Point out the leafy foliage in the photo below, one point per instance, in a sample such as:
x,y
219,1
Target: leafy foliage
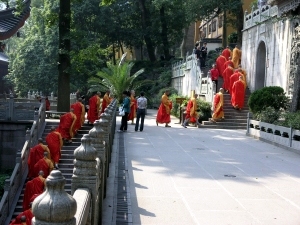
x,y
268,115
290,119
272,96
204,110
3,176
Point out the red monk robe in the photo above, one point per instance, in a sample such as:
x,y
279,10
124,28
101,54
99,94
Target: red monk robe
x,y
36,153
94,107
226,53
45,165
54,142
105,102
238,94
233,78
228,63
163,114
226,77
218,106
66,125
47,104
133,107
29,215
220,64
79,111
33,187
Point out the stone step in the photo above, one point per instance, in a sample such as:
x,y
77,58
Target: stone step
x,y
232,127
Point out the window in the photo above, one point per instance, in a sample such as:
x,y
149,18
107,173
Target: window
x,y
220,21
204,32
214,26
209,29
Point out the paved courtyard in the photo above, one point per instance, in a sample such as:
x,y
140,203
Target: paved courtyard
x,y
205,176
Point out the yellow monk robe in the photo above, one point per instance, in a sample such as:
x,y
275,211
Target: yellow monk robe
x,y
236,57
105,102
218,106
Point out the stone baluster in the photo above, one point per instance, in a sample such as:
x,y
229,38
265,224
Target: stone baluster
x,y
28,95
112,111
109,112
97,136
105,123
55,205
85,174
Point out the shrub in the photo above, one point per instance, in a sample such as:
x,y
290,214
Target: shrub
x,y
3,176
232,38
290,119
204,110
267,97
268,115
175,106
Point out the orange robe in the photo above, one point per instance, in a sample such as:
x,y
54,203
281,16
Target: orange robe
x,y
54,142
228,63
29,215
218,106
220,64
226,77
94,107
47,104
35,186
133,107
105,102
45,165
66,125
191,110
236,57
238,94
164,111
233,78
226,53
79,111
36,153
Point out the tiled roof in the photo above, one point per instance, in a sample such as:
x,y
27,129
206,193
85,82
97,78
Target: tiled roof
x,y
9,23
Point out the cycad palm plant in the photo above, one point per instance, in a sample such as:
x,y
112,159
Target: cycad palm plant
x,y
117,78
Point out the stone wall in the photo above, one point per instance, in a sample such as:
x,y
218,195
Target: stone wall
x,y
12,138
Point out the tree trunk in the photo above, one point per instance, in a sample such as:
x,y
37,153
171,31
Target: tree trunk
x,y
239,25
114,55
146,24
183,43
63,101
224,34
164,33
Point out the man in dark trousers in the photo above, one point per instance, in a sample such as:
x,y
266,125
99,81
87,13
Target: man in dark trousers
x,y
203,50
141,111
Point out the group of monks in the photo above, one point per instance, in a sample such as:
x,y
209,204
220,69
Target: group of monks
x,y
234,81
44,158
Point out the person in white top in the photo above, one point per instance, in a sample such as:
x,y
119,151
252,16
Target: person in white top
x,y
141,111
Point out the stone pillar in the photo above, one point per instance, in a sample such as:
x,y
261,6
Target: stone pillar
x,y
85,174
55,205
105,125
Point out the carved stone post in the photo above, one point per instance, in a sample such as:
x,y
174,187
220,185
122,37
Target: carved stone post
x,y
85,174
55,205
98,143
112,108
105,125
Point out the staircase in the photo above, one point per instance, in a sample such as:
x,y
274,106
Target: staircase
x,y
234,119
66,161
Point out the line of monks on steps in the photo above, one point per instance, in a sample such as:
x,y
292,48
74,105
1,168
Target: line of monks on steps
x,y
44,158
234,81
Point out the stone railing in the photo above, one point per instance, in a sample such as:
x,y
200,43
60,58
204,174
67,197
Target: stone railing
x,y
259,15
13,186
180,66
283,136
88,181
208,88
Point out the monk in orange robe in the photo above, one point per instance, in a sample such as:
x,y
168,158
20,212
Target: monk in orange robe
x,y
35,186
228,63
55,142
94,108
44,165
238,94
218,106
191,111
66,124
244,73
133,107
47,104
79,111
233,78
105,101
236,57
220,64
164,111
36,153
226,53
20,218
226,77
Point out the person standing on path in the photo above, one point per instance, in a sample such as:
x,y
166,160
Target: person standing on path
x,y
203,50
126,108
214,74
141,111
164,111
218,106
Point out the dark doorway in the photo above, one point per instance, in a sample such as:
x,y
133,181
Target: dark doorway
x,y
260,71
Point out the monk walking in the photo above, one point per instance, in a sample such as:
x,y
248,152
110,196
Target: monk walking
x,y
27,214
226,77
36,153
44,165
218,106
220,64
226,53
238,94
33,187
66,124
233,78
133,106
164,111
105,101
55,142
79,111
191,111
236,57
94,108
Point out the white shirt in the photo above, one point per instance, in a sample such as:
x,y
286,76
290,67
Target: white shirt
x,y
141,103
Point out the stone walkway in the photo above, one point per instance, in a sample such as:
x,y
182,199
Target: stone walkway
x,y
205,176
